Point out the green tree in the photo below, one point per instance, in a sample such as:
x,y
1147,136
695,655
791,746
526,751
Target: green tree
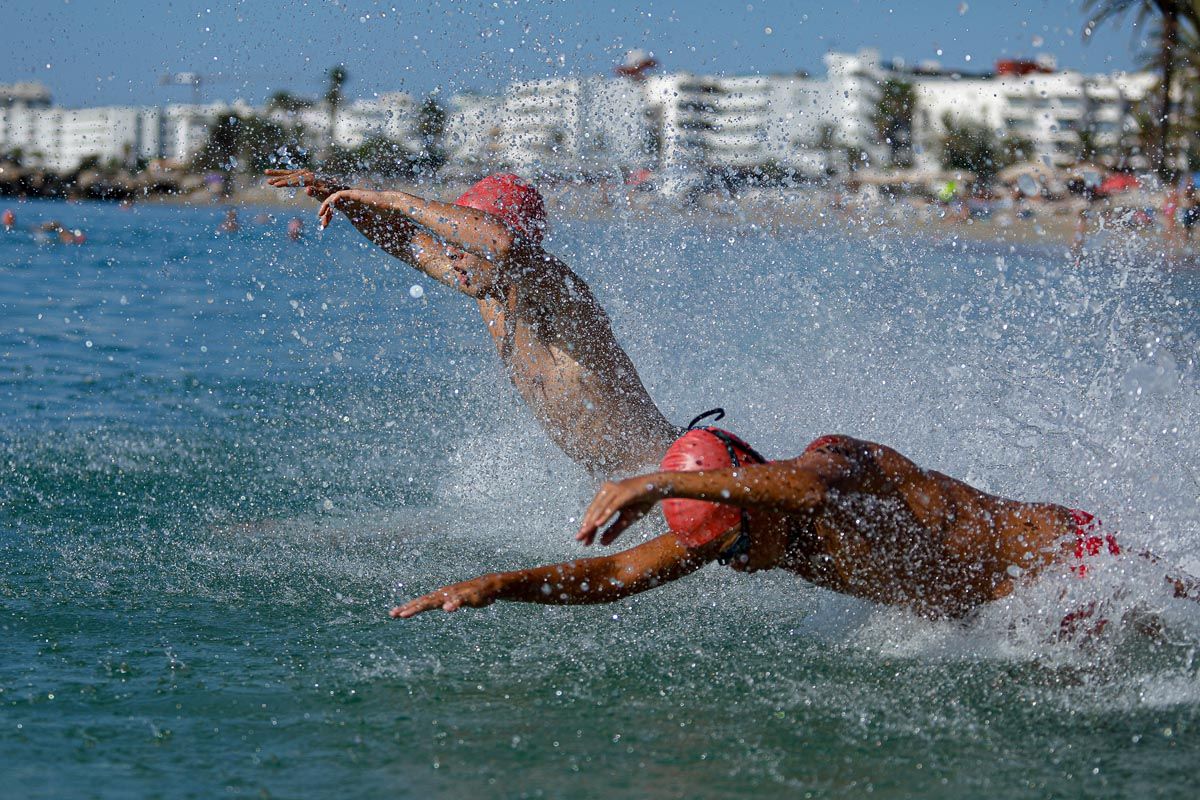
x,y
431,127
220,150
1015,148
251,143
260,141
1171,19
893,120
334,95
88,163
1086,147
973,146
286,101
826,143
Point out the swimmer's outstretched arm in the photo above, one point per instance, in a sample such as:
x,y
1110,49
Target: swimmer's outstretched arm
x,y
477,232
797,486
392,232
587,580
396,234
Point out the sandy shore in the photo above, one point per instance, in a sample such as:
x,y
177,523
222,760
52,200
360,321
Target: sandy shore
x,y
1056,224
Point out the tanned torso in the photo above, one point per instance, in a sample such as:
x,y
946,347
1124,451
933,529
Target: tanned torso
x,y
891,532
558,347
554,338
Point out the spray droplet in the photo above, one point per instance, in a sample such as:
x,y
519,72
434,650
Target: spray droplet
x,y
416,292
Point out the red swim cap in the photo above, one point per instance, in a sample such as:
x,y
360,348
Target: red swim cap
x,y
697,522
515,202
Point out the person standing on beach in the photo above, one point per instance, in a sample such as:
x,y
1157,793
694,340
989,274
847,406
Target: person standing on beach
x,y
552,334
1190,210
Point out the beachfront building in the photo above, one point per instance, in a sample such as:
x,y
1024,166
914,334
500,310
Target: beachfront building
x,y
472,131
540,125
391,116
62,139
185,127
678,122
113,135
829,121
790,122
562,126
1063,115
686,123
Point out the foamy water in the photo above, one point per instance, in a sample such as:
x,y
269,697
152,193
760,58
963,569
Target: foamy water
x,y
207,510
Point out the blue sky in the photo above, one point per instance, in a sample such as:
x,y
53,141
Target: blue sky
x,y
101,52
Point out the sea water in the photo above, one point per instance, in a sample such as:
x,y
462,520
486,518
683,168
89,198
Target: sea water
x,y
224,457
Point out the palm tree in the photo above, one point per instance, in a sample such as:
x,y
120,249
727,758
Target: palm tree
x,y
431,125
893,120
1172,18
333,97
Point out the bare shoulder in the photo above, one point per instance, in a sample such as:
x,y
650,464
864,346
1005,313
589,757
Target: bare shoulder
x,y
847,458
540,271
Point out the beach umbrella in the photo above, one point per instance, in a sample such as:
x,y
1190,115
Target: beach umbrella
x,y
1119,182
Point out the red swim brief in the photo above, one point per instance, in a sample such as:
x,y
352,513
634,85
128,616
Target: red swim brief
x,y
1090,540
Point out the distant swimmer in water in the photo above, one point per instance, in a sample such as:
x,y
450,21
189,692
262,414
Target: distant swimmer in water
x,y
53,230
9,219
848,515
295,229
230,224
553,336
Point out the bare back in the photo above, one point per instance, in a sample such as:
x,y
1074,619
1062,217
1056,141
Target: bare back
x,y
559,350
894,533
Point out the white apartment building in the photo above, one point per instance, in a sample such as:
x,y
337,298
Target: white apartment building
x,y
541,125
1047,109
116,134
677,121
598,125
392,116
561,126
185,127
61,138
472,134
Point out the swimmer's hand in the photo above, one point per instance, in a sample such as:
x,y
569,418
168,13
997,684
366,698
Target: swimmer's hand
x,y
351,202
306,179
629,500
475,593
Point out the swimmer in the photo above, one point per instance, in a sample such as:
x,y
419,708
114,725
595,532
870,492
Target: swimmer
x,y
55,229
9,219
849,515
295,229
230,224
551,333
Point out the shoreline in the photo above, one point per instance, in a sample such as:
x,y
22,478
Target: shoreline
x,y
778,211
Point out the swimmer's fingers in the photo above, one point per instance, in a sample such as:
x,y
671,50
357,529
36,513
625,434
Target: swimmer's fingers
x,y
285,178
624,519
418,606
325,212
475,593
598,512
312,184
628,501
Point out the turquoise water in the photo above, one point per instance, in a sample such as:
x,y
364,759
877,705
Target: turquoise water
x,y
222,459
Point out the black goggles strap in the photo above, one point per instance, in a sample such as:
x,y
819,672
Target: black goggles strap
x,y
741,545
